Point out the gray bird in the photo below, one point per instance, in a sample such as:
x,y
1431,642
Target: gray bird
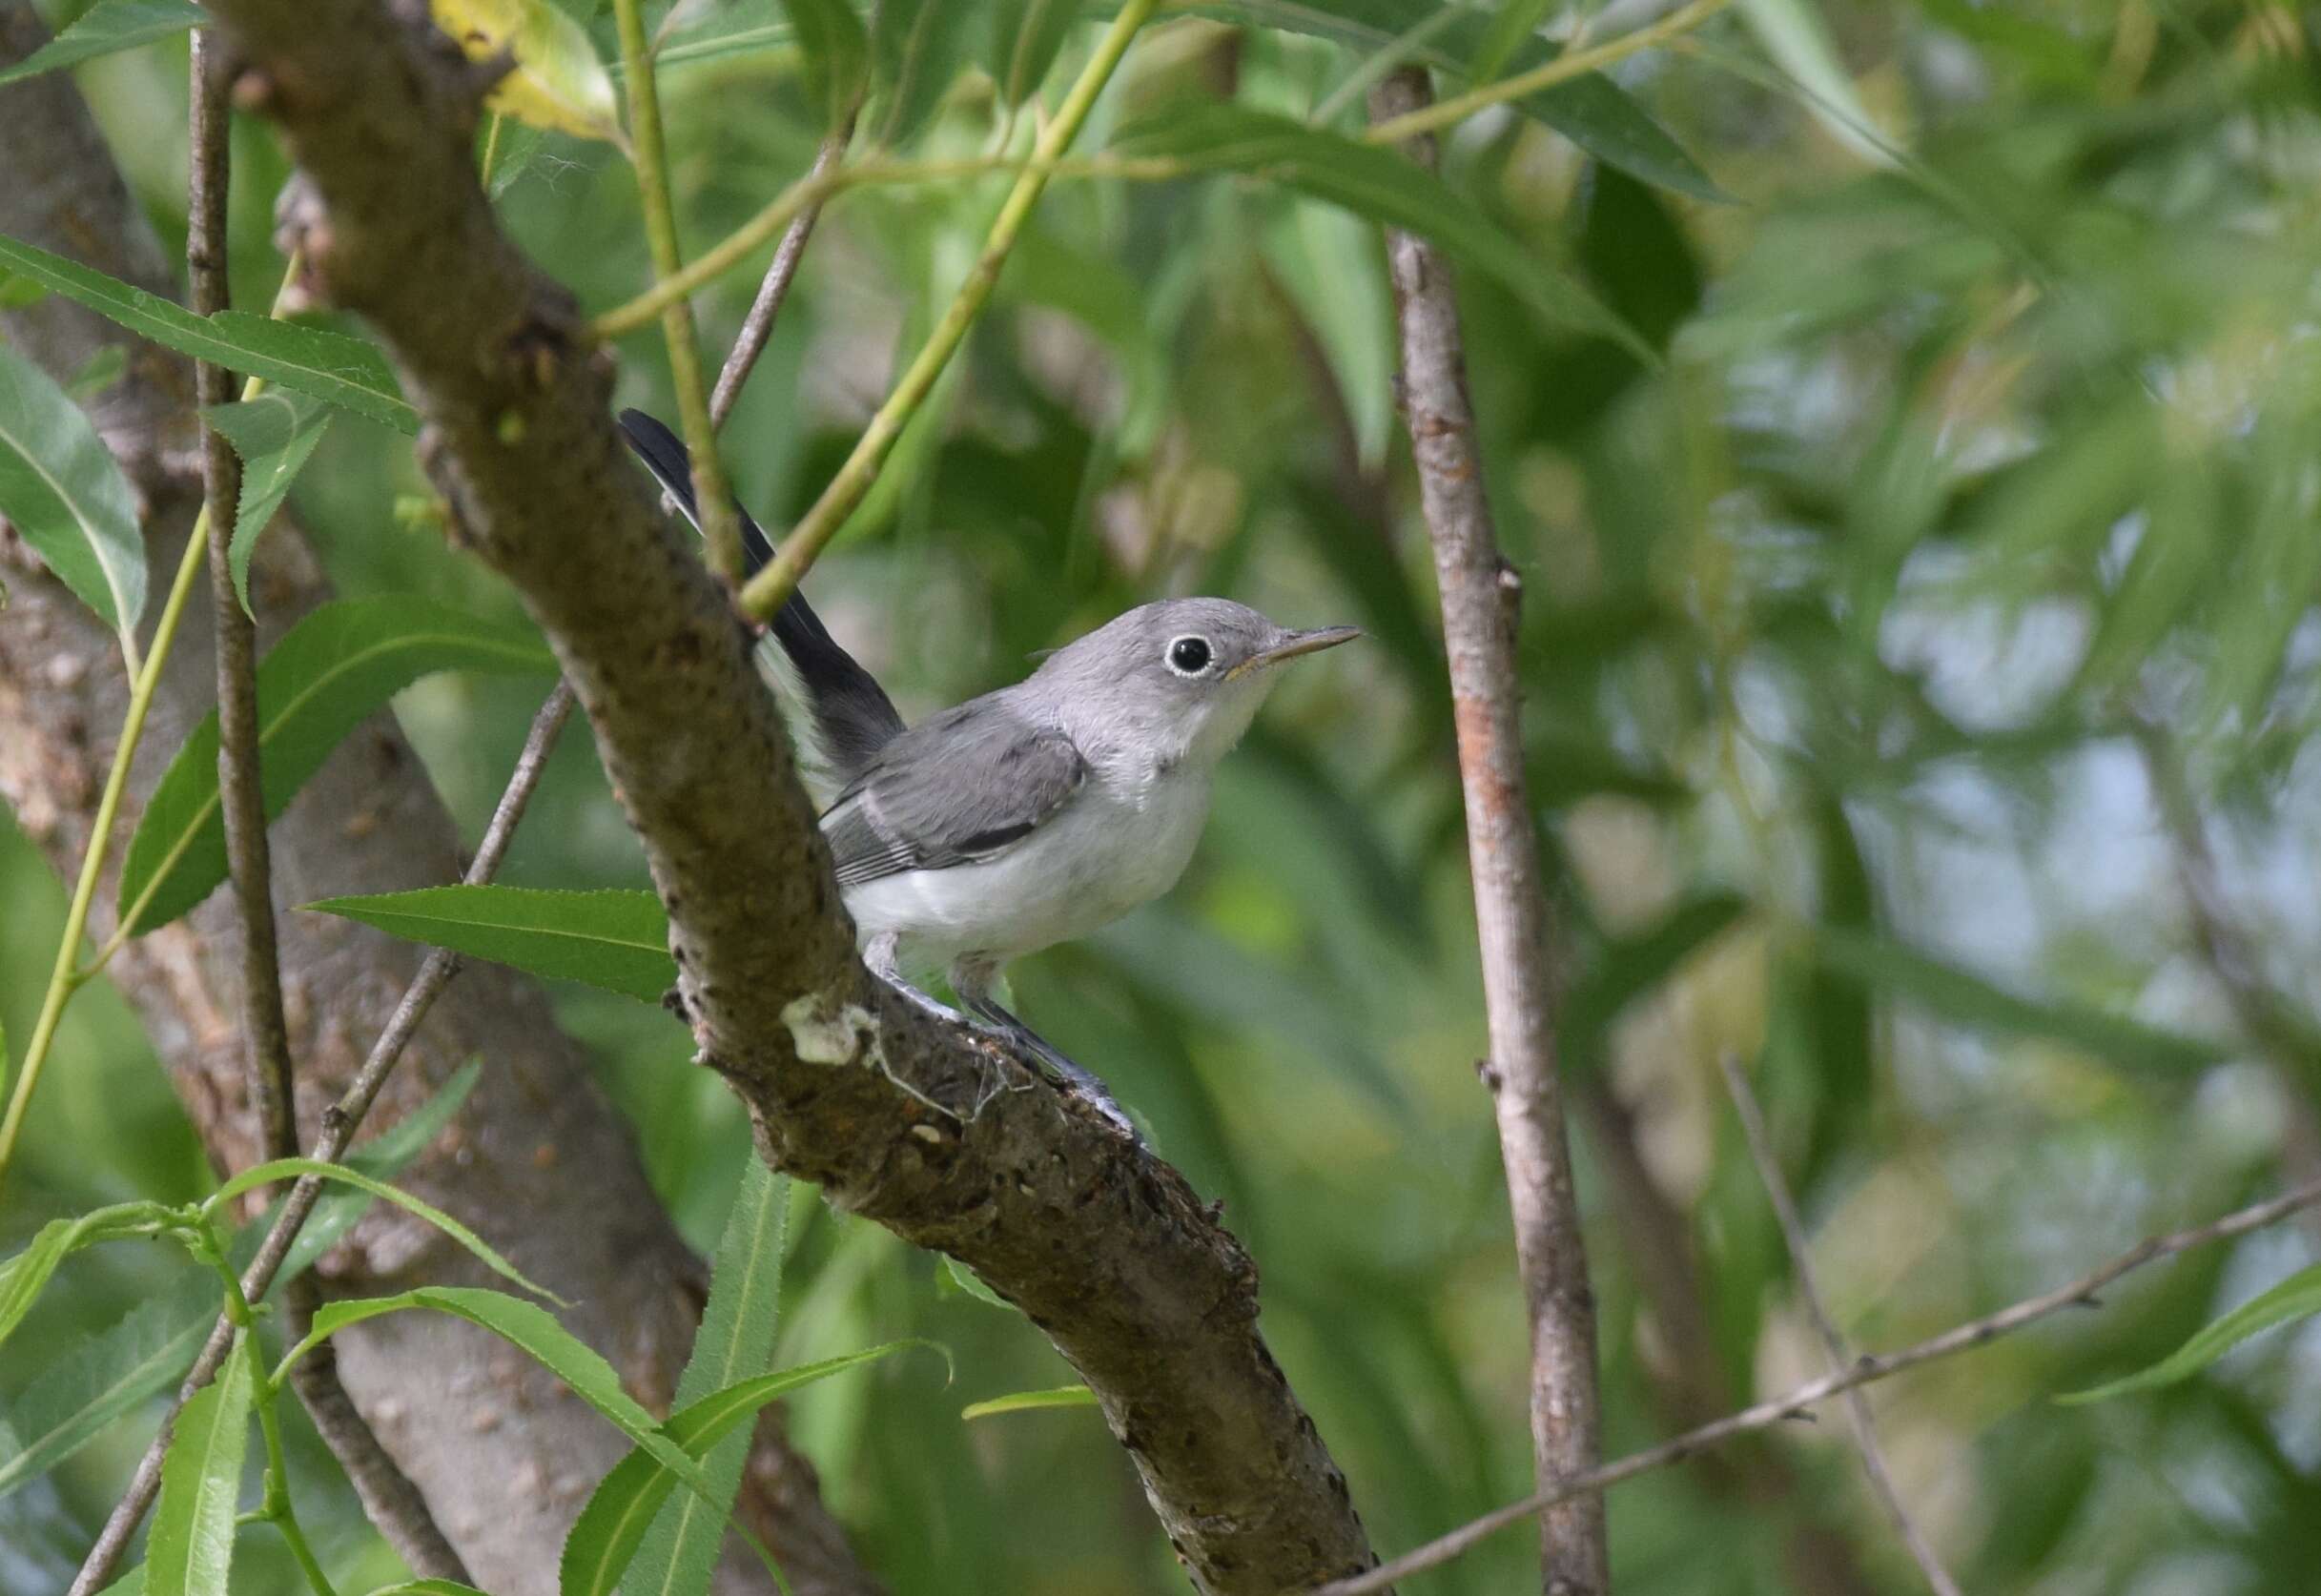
x,y
1027,816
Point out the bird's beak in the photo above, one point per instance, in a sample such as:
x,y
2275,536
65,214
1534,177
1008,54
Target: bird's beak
x,y
1291,644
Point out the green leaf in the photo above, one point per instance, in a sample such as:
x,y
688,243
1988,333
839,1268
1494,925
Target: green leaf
x,y
106,1375
1516,21
347,372
65,494
1025,1401
1026,37
191,1550
1796,37
2298,1297
1339,282
616,940
735,1342
605,1536
1593,112
917,53
274,434
1952,994
291,1169
329,673
428,1588
1377,183
557,83
99,372
971,1284
833,54
23,1277
105,28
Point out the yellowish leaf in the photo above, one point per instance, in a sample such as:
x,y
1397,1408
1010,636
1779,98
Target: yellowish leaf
x,y
557,83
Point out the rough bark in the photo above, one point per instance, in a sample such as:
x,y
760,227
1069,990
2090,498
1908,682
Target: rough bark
x,y
539,1161
1103,1248
1514,922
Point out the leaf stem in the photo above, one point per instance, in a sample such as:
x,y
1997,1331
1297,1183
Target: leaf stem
x,y
720,529
65,977
1571,64
777,581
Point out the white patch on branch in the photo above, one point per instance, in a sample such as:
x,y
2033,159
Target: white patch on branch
x,y
817,1036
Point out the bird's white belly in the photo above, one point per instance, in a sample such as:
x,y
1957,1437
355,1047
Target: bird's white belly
x,y
1113,847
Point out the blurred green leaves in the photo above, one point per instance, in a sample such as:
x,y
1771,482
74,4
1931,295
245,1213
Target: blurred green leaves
x,y
2296,1297
104,27
62,490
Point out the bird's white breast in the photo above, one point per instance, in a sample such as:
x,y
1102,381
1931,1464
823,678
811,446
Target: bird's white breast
x,y
1123,840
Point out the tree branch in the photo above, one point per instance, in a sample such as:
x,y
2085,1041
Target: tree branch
x,y
1521,948
783,270
1863,1371
392,1501
1108,1251
1856,1406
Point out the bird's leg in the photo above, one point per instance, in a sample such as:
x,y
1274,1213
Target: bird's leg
x,y
971,979
879,958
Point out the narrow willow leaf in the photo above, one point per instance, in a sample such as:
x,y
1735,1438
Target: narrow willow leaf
x,y
274,433
2298,1297
1381,184
24,1277
735,1343
328,674
834,52
605,1536
65,492
191,1550
1339,282
1956,994
557,83
428,1588
1026,37
291,1169
347,372
917,52
616,940
968,1284
131,1584
105,28
1025,1401
106,1375
531,1329
1796,37
1593,112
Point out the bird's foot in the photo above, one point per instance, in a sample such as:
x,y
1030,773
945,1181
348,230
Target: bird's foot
x,y
1057,1066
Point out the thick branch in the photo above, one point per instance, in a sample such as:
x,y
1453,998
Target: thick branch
x,y
537,1160
1521,947
1109,1252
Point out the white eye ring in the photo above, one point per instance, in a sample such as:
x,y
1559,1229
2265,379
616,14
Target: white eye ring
x,y
1189,655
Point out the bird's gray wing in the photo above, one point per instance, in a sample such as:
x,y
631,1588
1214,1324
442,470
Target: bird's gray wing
x,y
957,789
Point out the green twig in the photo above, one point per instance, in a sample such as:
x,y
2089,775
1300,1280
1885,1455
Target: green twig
x,y
720,530
65,977
777,581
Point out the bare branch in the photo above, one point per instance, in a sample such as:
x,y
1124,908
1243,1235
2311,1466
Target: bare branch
x,y
388,1495
1521,947
1105,1249
339,1122
758,325
1856,1406
1863,1371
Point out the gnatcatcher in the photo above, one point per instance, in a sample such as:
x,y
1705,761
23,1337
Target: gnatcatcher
x,y
1026,817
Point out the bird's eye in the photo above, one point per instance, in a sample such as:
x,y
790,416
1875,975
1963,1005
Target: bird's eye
x,y
1189,656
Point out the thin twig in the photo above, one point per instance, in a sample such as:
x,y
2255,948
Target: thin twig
x,y
1521,946
720,529
758,325
339,1124
1858,1405
780,579
1870,1367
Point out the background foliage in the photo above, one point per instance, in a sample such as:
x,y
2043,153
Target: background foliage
x,y
1972,490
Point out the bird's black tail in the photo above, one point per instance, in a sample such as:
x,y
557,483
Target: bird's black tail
x,y
853,717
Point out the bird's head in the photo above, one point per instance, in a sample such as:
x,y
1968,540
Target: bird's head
x,y
1182,676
